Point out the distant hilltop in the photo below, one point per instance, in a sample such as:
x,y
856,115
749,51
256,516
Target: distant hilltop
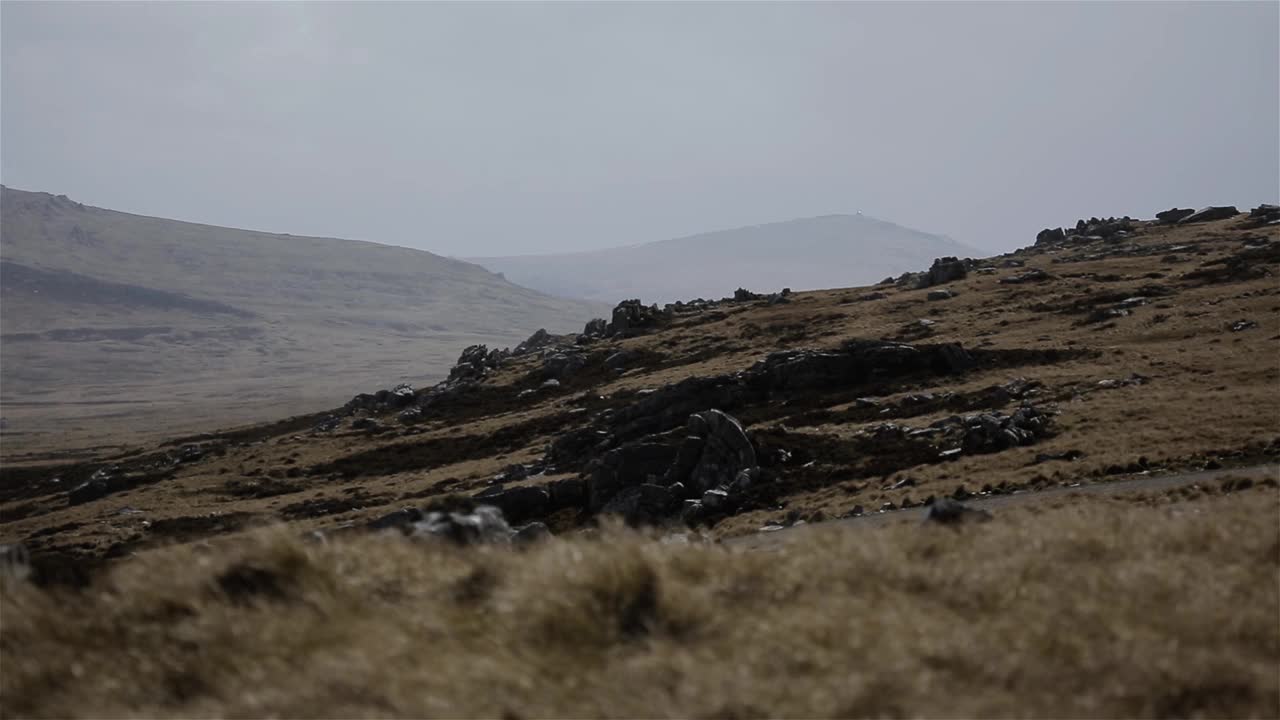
x,y
804,254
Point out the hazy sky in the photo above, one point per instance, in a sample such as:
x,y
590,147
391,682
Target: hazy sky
x,y
485,128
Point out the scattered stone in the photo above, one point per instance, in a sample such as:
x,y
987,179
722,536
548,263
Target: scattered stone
x,y
940,295
1241,325
1069,455
1031,275
993,432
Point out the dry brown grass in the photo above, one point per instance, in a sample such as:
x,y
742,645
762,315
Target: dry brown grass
x,y
1093,608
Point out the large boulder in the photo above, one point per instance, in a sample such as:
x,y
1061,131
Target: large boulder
x,y
1050,236
726,451
485,524
596,327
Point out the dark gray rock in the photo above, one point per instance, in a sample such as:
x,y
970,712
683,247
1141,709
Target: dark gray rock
x,y
952,512
531,533
624,467
103,482
643,504
1050,236
726,451
936,295
538,340
1213,212
519,504
620,359
631,317
945,270
88,491
401,519
596,328
1173,215
562,366
567,493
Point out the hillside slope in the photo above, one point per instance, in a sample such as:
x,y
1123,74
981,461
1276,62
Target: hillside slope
x,y
171,324
1107,395
806,254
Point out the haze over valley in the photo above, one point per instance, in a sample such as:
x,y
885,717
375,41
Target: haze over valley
x,y
803,254
118,325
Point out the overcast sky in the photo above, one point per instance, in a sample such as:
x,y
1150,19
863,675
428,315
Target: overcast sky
x,y
485,128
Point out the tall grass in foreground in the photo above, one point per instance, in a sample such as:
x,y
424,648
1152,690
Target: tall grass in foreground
x,y
1093,608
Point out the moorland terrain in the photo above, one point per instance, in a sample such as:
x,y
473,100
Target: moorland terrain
x,y
735,493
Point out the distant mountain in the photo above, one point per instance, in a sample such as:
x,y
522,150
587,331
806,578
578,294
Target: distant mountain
x,y
174,324
806,254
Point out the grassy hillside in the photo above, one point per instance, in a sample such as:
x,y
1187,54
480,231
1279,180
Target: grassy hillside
x,y
180,325
806,254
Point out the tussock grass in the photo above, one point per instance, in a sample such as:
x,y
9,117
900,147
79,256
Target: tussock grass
x,y
1094,608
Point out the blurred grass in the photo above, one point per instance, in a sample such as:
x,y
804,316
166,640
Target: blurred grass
x,y
1091,608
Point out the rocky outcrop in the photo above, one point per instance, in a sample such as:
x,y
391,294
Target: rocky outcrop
x,y
945,270
631,317
562,366
400,396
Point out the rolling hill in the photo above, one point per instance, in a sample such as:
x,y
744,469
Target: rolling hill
x,y
805,254
160,324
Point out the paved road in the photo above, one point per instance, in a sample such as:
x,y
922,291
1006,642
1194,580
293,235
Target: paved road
x,y
1157,483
